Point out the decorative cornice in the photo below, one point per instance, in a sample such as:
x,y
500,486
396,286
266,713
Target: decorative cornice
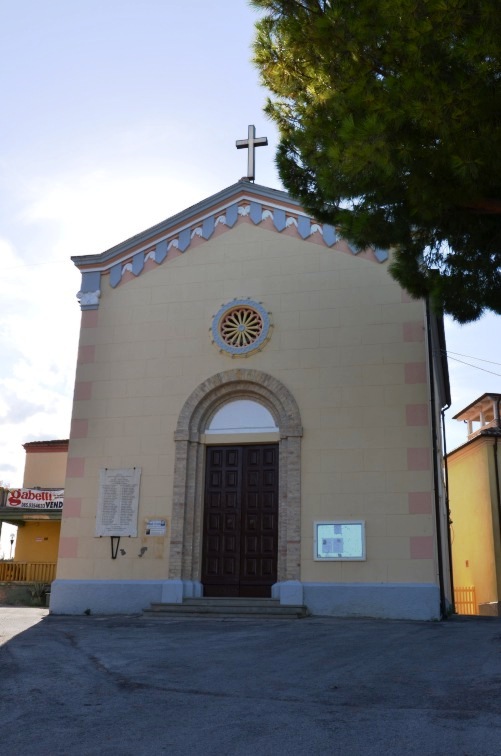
x,y
89,300
46,446
243,202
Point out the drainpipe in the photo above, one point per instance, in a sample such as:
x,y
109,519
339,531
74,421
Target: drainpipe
x,y
443,607
496,470
448,511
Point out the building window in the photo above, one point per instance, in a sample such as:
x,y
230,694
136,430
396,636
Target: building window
x,y
241,327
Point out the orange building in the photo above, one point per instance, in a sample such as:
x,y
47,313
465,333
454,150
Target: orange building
x,y
36,511
475,506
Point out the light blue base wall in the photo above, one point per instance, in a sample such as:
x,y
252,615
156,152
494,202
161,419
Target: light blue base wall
x,y
414,601
117,596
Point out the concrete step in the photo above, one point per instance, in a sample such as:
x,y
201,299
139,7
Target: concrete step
x,y
229,607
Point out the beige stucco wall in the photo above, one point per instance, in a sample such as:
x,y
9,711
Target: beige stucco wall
x,y
346,343
475,523
45,469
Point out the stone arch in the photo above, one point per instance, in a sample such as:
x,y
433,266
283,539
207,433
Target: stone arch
x,y
189,469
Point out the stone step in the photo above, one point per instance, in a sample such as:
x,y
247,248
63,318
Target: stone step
x,y
231,601
230,607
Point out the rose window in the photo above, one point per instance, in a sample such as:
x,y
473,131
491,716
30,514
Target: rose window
x,y
241,327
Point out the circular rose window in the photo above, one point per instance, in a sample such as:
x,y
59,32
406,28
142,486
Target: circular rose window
x,y
241,327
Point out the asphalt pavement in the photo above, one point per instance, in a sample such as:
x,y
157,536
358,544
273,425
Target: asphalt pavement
x,y
89,685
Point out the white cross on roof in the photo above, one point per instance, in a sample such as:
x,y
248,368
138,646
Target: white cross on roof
x,y
251,143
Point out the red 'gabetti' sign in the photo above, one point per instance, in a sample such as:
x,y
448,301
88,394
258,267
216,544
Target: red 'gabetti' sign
x,y
34,498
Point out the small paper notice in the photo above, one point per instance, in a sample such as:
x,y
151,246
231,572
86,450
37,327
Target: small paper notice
x,y
156,527
332,545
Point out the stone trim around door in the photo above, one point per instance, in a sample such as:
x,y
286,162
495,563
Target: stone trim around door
x,y
189,469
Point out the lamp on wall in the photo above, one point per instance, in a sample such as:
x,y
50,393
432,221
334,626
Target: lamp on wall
x,y
11,544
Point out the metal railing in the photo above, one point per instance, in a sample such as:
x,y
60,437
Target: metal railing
x,y
465,600
27,572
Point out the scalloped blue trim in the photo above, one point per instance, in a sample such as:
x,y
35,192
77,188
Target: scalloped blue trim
x,y
236,351
161,251
304,227
138,264
381,254
257,212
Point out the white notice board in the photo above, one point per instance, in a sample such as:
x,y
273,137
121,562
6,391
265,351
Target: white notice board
x,y
339,540
118,502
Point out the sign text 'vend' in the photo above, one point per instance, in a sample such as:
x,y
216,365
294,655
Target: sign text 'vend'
x,y
34,498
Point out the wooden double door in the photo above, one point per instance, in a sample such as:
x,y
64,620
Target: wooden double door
x,y
240,541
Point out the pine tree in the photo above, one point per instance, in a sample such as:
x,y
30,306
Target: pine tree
x,y
389,114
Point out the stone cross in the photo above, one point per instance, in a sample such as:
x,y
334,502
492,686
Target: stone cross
x,y
251,143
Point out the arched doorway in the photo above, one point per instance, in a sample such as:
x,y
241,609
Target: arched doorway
x,y
197,429
240,519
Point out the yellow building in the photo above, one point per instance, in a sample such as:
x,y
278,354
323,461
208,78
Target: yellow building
x,y
252,418
35,510
475,505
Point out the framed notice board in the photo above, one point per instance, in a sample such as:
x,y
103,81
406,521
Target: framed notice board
x,y
339,540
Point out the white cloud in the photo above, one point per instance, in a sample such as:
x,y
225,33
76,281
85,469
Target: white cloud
x,y
61,216
100,208
20,410
39,319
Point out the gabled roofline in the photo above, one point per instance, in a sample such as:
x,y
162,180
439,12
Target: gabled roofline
x,y
185,217
242,202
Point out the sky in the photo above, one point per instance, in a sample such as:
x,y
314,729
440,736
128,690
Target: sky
x,y
118,114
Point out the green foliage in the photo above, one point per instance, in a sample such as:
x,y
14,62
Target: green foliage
x,y
389,114
38,590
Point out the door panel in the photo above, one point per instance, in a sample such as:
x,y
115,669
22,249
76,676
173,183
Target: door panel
x,y
240,521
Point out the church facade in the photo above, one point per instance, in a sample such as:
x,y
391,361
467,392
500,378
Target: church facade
x,y
269,400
